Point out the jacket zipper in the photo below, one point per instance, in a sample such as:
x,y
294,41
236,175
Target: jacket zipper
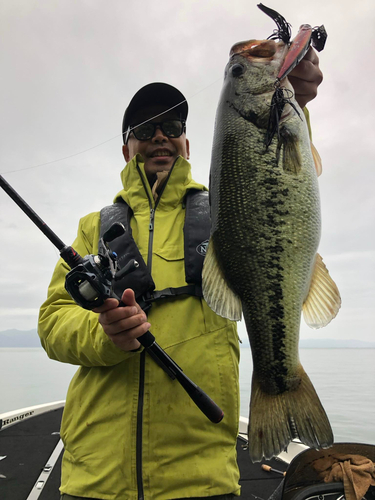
x,y
152,213
139,426
150,238
141,388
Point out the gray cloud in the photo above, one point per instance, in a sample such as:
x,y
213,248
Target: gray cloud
x,y
69,71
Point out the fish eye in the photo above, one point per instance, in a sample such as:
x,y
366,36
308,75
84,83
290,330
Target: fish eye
x,y
237,70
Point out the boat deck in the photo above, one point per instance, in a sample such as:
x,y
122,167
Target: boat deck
x,y
29,469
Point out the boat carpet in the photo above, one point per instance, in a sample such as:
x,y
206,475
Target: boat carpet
x,y
29,444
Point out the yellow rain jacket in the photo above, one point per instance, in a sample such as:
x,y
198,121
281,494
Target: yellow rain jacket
x,y
129,430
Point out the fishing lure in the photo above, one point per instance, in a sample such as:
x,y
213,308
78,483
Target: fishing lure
x,y
298,48
283,32
280,97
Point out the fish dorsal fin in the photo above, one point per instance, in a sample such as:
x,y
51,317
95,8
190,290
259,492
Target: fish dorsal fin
x,y
323,301
317,159
216,292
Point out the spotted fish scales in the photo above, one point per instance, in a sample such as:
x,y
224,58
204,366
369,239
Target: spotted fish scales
x,y
262,257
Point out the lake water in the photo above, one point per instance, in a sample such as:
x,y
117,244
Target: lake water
x,y
345,382
343,378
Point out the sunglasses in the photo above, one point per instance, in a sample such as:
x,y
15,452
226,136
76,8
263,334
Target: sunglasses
x,y
145,132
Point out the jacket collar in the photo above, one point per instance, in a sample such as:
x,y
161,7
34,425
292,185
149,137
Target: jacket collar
x,y
137,191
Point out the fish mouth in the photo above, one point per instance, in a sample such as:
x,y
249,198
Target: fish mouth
x,y
288,55
257,49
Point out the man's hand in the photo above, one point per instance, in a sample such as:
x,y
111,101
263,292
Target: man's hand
x,y
306,77
123,325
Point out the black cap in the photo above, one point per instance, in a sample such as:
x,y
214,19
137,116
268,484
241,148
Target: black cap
x,y
155,94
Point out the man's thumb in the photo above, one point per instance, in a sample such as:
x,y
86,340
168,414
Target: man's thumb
x,y
128,297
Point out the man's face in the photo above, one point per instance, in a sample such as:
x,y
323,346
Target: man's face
x,y
159,152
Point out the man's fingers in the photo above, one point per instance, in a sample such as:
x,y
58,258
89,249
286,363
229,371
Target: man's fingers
x,y
108,305
302,87
125,324
127,341
312,56
308,69
304,91
128,297
129,335
115,327
306,78
117,314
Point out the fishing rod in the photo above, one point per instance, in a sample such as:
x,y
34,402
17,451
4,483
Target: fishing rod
x,y
89,283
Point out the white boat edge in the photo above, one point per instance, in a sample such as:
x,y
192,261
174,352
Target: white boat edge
x,y
13,417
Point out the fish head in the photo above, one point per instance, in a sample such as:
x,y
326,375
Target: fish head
x,y
251,76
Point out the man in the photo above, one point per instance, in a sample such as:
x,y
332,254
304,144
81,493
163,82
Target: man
x,y
129,431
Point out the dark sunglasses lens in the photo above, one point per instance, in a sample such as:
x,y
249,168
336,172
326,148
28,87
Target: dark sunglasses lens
x,y
144,132
172,128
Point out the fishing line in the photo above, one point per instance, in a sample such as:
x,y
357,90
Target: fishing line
x,y
59,159
112,138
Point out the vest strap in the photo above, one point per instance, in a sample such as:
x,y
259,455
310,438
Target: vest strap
x,y
196,234
195,290
126,249
147,299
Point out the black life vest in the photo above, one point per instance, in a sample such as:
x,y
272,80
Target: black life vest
x,y
196,235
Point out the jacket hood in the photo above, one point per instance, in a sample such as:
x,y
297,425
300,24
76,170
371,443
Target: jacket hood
x,y
137,190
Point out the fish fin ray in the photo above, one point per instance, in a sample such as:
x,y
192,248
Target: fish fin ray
x,y
216,291
291,156
323,301
317,159
275,420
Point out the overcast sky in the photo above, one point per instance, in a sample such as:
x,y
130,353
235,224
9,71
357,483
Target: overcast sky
x,y
68,70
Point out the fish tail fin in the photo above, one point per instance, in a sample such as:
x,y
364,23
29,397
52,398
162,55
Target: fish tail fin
x,y
275,420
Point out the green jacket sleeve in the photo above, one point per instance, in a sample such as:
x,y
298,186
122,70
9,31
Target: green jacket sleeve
x,y
69,333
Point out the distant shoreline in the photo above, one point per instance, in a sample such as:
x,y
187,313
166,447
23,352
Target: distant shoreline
x,y
30,339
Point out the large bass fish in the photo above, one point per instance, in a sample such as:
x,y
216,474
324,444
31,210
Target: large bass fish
x,y
262,256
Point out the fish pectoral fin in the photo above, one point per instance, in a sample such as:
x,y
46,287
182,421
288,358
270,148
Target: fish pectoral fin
x,y
222,300
323,301
317,159
291,155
